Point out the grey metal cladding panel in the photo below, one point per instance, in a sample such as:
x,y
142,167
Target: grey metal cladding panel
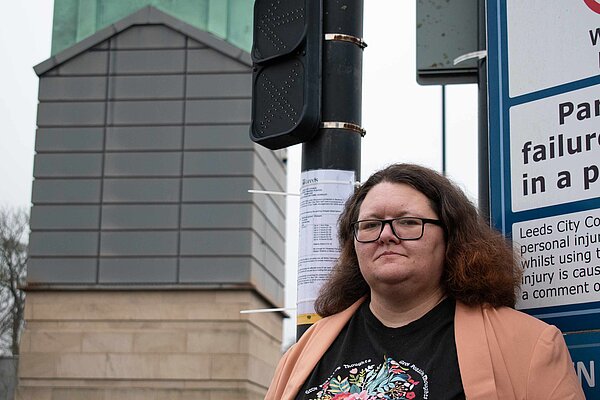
x,y
269,209
141,190
209,60
222,137
259,222
138,270
87,63
267,258
273,160
71,113
276,242
144,138
145,112
147,61
277,223
271,206
101,46
193,44
138,244
66,191
69,139
275,262
268,203
216,243
219,85
273,232
266,283
140,217
214,269
267,175
217,163
233,111
68,217
216,216
146,87
143,164
269,286
221,189
72,88
67,165
273,242
63,244
149,36
61,270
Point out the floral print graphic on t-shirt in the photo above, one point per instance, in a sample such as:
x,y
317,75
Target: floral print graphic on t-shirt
x,y
391,380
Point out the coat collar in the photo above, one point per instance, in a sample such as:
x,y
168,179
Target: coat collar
x,y
473,352
314,343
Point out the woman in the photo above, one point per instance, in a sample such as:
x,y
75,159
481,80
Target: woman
x,y
419,306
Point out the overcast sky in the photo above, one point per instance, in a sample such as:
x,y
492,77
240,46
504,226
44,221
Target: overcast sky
x,y
402,119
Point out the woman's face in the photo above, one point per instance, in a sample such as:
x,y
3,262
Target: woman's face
x,y
414,266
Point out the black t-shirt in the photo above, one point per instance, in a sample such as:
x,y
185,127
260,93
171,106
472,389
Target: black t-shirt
x,y
369,361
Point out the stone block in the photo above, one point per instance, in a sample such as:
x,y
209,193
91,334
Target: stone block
x,y
139,394
260,345
47,341
107,342
159,342
185,366
33,393
133,366
81,365
229,366
216,340
77,394
37,365
260,372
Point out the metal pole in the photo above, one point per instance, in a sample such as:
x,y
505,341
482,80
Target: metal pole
x,y
484,167
444,130
337,144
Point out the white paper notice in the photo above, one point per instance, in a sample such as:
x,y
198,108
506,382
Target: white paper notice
x,y
322,199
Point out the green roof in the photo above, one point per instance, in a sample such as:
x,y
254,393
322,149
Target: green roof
x,y
75,20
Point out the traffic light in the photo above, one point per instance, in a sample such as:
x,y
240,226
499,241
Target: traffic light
x,y
286,78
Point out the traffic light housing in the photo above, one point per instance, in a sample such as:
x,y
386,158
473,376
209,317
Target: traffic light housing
x,y
286,77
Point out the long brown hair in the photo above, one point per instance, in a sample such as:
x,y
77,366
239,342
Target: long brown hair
x,y
480,264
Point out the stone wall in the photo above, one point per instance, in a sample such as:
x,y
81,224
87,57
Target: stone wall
x,y
147,345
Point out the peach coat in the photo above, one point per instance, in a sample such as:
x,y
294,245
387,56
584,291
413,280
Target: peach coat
x,y
503,354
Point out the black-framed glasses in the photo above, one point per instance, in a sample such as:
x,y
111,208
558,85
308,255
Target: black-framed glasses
x,y
404,228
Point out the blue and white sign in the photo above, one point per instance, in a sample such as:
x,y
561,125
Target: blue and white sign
x,y
585,352
544,123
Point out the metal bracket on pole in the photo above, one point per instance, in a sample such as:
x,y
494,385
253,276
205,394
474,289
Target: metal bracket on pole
x,y
344,125
474,54
340,37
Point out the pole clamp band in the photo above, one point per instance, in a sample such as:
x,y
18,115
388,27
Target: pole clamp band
x,y
344,125
340,37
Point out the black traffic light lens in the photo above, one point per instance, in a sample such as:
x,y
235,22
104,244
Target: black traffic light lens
x,y
282,87
279,27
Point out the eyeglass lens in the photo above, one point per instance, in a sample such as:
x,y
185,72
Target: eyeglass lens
x,y
404,228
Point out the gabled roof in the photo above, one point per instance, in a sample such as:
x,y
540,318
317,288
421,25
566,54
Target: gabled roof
x,y
146,16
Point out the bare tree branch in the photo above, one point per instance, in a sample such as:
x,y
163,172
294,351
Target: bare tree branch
x,y
14,229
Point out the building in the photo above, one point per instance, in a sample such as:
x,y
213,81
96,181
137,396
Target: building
x,y
145,242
